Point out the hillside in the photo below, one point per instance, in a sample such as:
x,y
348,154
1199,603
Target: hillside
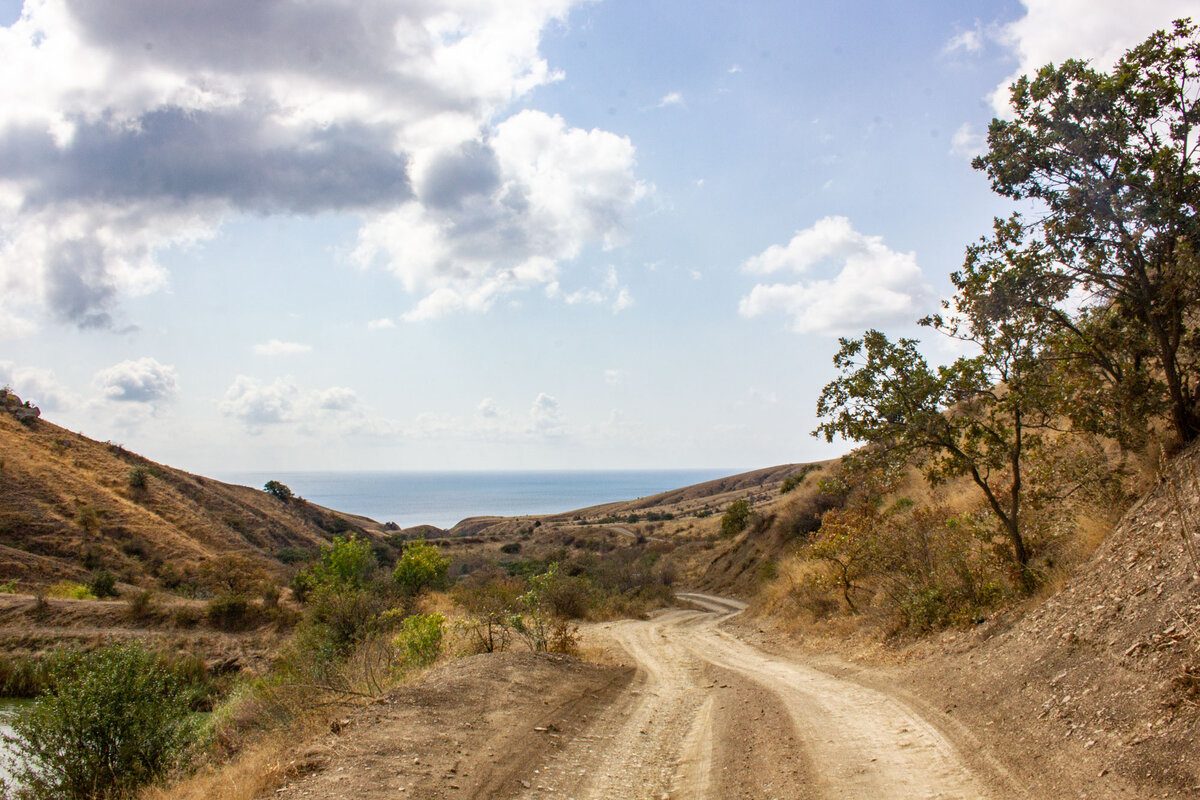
x,y
70,505
1106,671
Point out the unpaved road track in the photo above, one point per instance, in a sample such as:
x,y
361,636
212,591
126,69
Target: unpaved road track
x,y
698,714
709,716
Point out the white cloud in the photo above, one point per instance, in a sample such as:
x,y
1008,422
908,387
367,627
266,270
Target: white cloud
x,y
613,377
671,99
259,405
130,128
1098,30
970,41
380,324
967,142
336,398
611,293
497,216
487,408
38,386
142,381
278,348
545,415
873,284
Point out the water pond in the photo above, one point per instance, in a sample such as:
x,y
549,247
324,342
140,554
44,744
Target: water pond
x,y
8,707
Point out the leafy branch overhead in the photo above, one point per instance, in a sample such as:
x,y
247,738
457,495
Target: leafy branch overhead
x,y
1087,312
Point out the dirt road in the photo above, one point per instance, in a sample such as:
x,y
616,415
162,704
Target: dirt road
x,y
709,716
701,714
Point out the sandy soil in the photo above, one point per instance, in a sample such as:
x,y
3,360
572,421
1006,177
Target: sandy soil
x,y
701,714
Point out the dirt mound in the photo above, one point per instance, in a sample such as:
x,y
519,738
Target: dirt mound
x,y
475,728
70,505
1103,677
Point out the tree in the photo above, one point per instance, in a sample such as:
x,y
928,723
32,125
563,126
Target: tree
x,y
278,490
1110,157
344,565
975,417
420,566
736,517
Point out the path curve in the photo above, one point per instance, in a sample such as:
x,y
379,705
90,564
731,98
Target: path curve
x,y
710,716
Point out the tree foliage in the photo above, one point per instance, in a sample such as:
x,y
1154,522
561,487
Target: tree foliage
x,y
735,518
278,490
1110,159
421,566
976,417
109,722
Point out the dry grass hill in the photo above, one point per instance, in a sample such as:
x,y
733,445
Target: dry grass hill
x,y
70,505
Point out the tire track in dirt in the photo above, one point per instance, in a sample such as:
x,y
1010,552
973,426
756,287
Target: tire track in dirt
x,y
710,716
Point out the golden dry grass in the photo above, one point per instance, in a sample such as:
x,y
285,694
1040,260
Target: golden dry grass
x,y
68,505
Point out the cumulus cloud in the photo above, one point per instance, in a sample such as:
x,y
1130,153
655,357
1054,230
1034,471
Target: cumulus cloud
x,y
128,128
38,386
1098,30
258,404
487,408
142,381
277,348
545,415
499,216
871,284
613,376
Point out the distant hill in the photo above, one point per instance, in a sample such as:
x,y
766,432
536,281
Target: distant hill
x,y
70,505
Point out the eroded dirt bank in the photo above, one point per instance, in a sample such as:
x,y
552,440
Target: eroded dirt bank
x,y
698,713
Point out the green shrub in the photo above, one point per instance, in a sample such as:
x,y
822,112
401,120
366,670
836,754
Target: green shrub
x,y
141,603
87,518
278,490
9,587
139,477
102,584
345,563
108,723
421,566
70,590
736,517
230,612
20,676
420,639
293,555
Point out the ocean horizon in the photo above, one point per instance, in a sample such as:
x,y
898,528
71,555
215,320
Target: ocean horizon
x,y
445,498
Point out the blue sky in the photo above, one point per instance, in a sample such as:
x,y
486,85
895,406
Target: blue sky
x,y
471,235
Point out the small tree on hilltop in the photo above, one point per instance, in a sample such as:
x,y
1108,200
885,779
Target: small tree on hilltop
x,y
279,491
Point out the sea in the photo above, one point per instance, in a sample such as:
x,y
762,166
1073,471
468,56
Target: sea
x,y
445,498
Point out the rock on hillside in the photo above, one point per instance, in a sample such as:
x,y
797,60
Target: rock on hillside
x,y
70,505
1107,669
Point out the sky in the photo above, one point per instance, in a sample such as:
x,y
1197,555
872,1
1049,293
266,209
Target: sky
x,y
471,234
